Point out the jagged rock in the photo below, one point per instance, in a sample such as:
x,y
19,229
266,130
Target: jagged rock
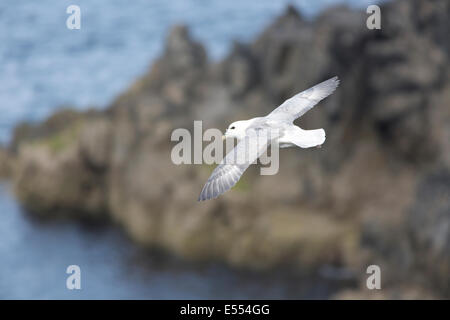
x,y
183,53
65,187
52,176
282,50
95,143
241,70
176,75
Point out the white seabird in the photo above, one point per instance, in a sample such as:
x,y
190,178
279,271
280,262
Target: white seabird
x,y
255,135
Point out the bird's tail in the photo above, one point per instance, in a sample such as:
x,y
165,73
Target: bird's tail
x,y
306,138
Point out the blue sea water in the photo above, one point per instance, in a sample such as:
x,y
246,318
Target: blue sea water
x,y
44,65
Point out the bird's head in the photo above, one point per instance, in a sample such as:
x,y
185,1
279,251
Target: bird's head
x,y
236,130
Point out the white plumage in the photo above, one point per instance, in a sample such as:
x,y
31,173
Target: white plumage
x,y
256,134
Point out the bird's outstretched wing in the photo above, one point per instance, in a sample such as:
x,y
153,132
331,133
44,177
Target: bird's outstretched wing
x,y
302,102
230,170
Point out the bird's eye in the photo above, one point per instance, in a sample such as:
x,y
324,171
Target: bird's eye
x,y
233,127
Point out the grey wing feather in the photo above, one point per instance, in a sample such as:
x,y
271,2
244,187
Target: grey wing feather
x,y
302,102
230,170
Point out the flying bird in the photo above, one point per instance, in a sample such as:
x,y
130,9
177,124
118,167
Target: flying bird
x,y
255,135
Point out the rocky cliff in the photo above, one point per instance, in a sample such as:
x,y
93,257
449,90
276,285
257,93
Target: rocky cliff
x,y
378,192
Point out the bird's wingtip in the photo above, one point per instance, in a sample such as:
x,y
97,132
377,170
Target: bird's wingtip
x,y
332,83
336,79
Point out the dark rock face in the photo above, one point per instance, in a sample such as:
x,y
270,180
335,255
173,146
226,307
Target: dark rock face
x,y
240,70
376,193
64,173
429,227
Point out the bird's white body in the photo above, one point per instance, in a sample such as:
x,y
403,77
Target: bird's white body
x,y
290,134
277,127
